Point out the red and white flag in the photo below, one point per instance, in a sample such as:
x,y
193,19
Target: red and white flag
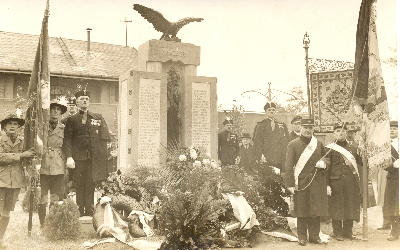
x,y
370,100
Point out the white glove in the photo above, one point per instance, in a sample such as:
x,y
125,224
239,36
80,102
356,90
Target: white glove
x,y
291,189
396,164
276,170
321,164
328,190
70,162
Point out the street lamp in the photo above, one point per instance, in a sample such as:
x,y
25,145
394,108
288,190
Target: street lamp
x,y
306,41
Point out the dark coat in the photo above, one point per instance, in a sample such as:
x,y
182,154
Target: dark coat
x,y
313,200
391,203
272,144
293,136
88,141
246,158
345,201
228,147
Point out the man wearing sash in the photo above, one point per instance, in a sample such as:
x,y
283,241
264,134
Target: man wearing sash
x,y
391,204
305,178
343,164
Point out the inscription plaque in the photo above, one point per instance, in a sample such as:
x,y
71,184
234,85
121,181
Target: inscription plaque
x,y
149,122
201,110
124,128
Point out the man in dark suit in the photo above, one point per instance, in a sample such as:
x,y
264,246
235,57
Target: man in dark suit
x,y
228,144
305,178
270,138
296,128
344,166
85,143
246,154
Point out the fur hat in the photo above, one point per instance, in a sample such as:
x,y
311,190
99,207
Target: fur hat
x,y
269,105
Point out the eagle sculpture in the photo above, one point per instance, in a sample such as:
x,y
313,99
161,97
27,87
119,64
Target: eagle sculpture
x,y
161,24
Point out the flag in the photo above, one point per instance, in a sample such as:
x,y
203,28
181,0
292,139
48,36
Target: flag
x,y
38,111
369,96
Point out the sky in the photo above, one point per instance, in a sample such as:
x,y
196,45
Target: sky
x,y
245,44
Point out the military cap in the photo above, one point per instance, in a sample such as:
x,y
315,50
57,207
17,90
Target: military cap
x,y
307,122
340,125
227,121
71,101
352,127
246,135
269,105
295,119
82,92
394,124
59,104
12,117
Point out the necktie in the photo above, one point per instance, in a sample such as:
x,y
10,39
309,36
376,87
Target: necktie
x,y
272,124
84,118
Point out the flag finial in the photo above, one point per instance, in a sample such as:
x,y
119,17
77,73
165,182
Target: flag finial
x,y
47,10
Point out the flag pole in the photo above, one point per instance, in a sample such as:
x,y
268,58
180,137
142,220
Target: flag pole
x,y
365,184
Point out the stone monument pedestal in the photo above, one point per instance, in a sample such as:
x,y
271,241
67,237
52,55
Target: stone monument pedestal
x,y
143,104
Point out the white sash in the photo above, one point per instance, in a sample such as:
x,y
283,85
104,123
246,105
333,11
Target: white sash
x,y
304,158
347,155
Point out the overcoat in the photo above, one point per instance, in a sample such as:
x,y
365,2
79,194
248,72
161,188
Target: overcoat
x,y
88,141
53,161
391,203
246,158
271,143
11,172
228,147
293,136
345,201
311,199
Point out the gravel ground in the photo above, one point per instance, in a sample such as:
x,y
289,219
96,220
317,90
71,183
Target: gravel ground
x,y
17,238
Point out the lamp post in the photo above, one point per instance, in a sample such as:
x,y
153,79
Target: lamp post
x,y
306,41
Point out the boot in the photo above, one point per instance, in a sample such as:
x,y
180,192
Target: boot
x,y
3,226
42,214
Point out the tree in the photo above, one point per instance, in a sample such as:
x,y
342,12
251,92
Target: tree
x,y
296,103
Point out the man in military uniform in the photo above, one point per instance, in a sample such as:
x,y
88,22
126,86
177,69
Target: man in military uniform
x,y
296,128
305,178
270,138
12,176
344,165
53,168
391,203
85,143
228,144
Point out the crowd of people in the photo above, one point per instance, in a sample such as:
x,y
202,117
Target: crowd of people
x,y
325,180
76,147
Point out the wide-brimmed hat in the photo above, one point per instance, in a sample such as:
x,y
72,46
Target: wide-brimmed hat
x,y
269,105
307,122
12,117
59,104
